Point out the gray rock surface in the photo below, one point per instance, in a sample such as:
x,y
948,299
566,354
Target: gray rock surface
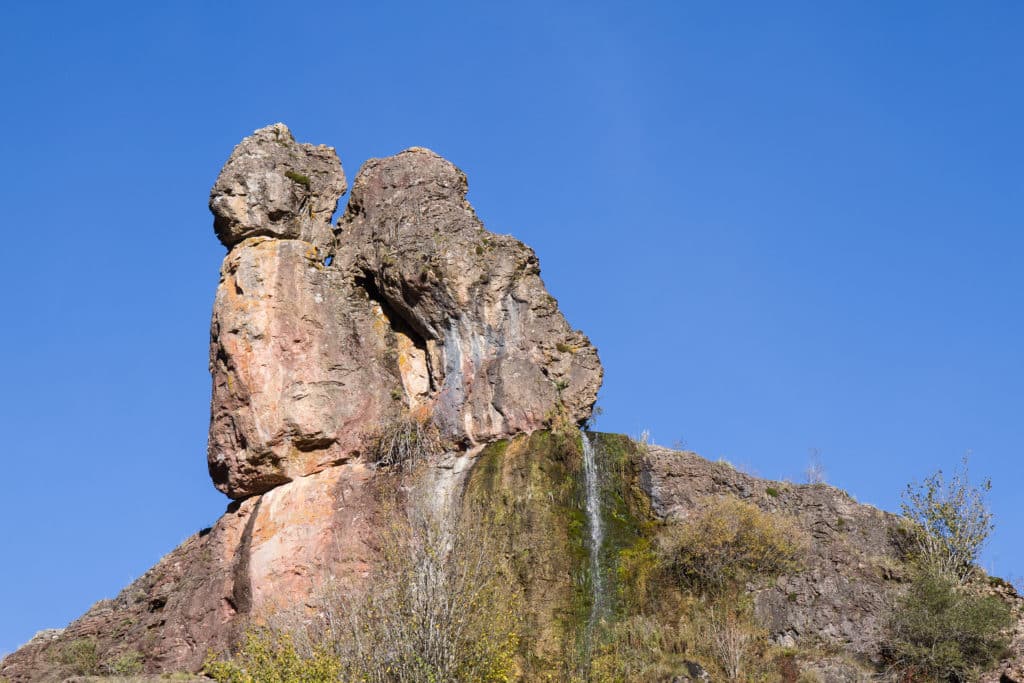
x,y
272,185
853,568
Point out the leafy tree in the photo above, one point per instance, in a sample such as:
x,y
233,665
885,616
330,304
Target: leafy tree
x,y
951,522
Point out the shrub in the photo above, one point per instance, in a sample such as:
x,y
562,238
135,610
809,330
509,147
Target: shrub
x,y
815,472
128,663
439,611
943,631
723,635
950,522
636,649
436,609
405,441
80,657
299,178
268,656
729,543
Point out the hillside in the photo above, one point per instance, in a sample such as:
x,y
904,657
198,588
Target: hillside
x,y
399,413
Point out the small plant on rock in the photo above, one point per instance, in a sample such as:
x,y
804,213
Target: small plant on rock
x,y
80,657
128,663
405,441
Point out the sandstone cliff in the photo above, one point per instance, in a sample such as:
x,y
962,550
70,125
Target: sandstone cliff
x,y
407,308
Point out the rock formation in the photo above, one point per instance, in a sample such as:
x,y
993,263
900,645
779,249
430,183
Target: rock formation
x,y
409,309
410,306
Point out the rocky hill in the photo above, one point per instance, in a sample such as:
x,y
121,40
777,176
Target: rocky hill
x,y
404,356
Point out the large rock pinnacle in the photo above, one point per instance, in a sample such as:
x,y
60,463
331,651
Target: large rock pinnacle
x,y
318,339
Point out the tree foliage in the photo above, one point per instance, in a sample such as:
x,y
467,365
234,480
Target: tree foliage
x,y
950,522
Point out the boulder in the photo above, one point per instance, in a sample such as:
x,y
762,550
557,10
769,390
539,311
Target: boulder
x,y
272,185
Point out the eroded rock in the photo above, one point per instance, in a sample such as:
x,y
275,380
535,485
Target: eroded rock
x,y
415,308
500,357
272,185
303,364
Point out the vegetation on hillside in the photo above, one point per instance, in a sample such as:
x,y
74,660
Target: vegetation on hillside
x,y
465,599
947,626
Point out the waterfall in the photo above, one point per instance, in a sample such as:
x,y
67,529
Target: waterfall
x,y
593,497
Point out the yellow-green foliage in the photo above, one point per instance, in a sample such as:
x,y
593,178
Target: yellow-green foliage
x,y
638,567
80,657
722,634
523,493
267,656
128,663
637,649
730,542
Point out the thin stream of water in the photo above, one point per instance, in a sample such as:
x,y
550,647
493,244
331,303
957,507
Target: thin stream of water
x,y
593,504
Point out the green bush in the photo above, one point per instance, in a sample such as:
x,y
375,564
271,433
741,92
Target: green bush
x,y
128,663
941,631
298,178
80,657
730,542
267,656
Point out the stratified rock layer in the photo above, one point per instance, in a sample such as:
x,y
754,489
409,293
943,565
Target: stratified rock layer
x,y
414,308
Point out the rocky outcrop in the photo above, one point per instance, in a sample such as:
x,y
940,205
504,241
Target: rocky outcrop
x,y
274,186
500,358
277,549
853,567
413,307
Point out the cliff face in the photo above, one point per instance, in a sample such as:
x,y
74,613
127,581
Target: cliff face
x,y
409,309
409,305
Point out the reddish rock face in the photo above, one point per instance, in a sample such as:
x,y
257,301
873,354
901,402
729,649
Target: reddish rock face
x,y
300,365
264,554
319,339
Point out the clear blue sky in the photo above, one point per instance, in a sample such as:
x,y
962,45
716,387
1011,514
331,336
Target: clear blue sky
x,y
786,226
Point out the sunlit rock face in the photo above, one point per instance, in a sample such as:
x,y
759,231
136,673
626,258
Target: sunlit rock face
x,y
409,305
272,185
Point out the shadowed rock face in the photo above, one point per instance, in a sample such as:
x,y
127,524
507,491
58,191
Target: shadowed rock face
x,y
318,339
500,357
